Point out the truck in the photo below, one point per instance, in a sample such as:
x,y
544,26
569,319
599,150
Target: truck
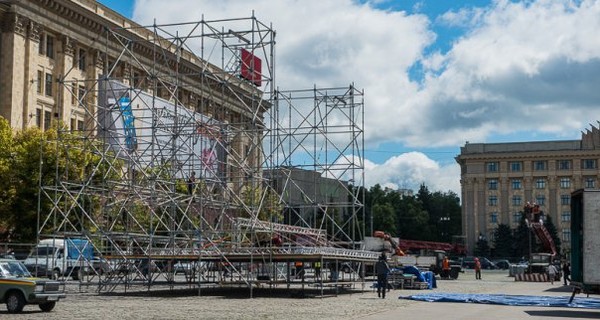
x,y
430,261
58,257
585,242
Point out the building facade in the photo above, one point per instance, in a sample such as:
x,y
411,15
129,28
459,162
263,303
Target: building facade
x,y
55,55
498,179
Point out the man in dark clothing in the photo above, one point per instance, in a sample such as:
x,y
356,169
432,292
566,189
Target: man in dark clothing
x,y
566,273
381,270
192,183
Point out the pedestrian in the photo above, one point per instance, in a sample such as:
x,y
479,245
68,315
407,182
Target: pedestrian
x,y
566,273
299,270
381,270
445,268
191,183
317,267
551,273
477,269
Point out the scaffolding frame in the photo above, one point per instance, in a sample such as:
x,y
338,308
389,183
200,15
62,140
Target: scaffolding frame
x,y
135,201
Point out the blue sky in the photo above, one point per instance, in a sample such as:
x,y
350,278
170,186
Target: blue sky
x,y
436,73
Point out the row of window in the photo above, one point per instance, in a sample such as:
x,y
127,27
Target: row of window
x,y
565,199
542,165
47,49
44,120
565,237
565,183
516,217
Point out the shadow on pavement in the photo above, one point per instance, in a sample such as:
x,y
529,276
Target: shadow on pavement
x,y
570,314
561,288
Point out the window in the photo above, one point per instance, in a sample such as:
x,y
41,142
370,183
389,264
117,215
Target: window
x,y
566,235
516,166
494,217
589,164
492,166
50,47
565,183
38,117
73,94
48,84
540,199
41,47
590,182
81,95
565,216
516,200
540,184
492,184
516,184
40,78
73,123
47,119
80,125
81,60
540,165
516,217
565,199
564,164
493,201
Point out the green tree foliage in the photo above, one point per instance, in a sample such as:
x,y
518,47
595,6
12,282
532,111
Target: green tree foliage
x,y
482,247
384,218
426,216
522,238
32,158
503,241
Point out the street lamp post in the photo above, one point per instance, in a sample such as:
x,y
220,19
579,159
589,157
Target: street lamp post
x,y
444,221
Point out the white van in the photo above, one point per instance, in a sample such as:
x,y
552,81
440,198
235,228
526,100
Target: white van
x,y
52,258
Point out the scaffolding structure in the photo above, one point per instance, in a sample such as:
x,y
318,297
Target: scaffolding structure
x,y
196,163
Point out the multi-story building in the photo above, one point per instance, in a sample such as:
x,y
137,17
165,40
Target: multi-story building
x,y
498,179
56,56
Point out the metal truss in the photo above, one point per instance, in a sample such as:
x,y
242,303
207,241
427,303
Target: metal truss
x,y
155,112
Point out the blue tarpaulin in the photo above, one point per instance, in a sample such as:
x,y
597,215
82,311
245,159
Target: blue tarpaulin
x,y
509,300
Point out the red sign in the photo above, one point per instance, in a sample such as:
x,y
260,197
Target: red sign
x,y
251,67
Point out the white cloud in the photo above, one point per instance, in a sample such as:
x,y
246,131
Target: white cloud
x,y
409,170
519,66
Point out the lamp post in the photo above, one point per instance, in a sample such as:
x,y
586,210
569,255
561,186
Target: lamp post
x,y
444,221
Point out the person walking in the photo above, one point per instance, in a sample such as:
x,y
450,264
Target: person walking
x,y
566,273
381,270
477,269
445,268
551,273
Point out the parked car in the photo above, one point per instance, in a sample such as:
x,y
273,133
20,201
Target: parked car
x,y
469,263
18,288
502,264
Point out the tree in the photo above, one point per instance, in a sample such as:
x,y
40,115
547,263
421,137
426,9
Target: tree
x,y
522,237
482,247
384,219
503,241
32,158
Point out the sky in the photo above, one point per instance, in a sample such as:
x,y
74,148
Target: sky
x,y
435,73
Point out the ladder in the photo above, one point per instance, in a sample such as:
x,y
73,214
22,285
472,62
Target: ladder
x,y
542,233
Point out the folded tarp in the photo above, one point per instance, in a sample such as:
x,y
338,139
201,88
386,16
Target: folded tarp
x,y
430,279
509,300
414,271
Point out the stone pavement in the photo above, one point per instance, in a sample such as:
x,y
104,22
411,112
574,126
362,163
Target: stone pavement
x,y
494,282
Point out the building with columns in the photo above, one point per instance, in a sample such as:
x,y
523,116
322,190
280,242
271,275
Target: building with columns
x,y
497,179
55,54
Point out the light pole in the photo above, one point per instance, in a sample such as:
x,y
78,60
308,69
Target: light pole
x,y
444,221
